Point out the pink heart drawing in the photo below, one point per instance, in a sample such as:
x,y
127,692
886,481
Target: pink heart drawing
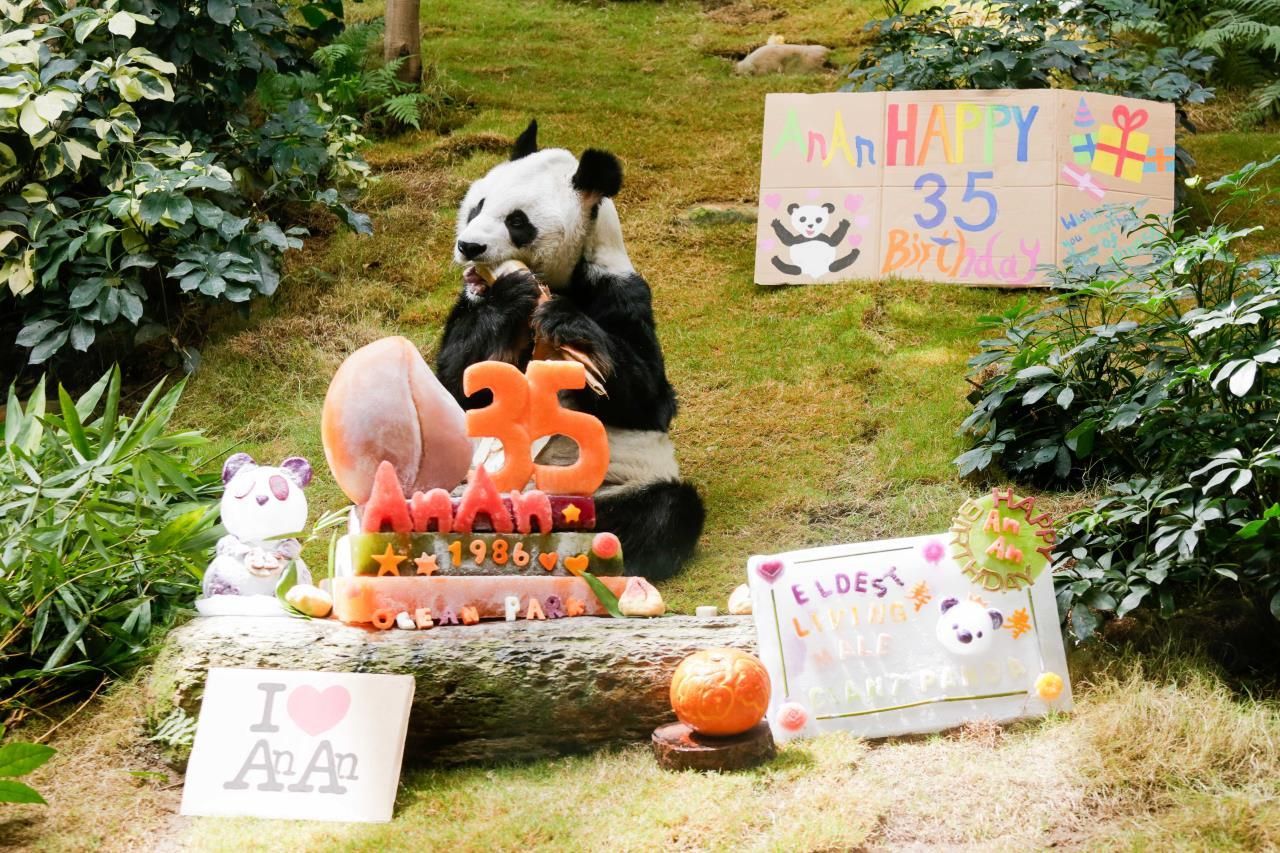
x,y
855,239
316,711
770,570
862,221
773,200
768,244
813,195
852,202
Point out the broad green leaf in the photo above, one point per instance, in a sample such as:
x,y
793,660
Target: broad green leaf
x,y
122,24
19,759
12,791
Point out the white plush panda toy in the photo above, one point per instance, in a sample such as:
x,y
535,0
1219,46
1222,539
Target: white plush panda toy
x,y
554,213
812,251
966,627
261,506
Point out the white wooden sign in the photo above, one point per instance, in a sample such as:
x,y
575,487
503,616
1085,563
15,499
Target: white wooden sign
x,y
305,745
889,638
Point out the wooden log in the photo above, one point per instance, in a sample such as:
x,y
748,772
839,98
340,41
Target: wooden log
x,y
494,692
676,746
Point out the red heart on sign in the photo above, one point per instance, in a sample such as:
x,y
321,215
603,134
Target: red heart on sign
x,y
315,711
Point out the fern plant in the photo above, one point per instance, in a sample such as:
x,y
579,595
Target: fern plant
x,y
1244,35
352,78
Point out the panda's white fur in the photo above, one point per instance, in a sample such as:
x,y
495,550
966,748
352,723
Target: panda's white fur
x,y
554,212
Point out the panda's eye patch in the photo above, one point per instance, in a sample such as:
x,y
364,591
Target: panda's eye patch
x,y
818,221
475,211
802,219
249,483
522,231
979,633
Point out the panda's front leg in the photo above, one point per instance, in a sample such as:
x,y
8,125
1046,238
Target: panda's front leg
x,y
560,322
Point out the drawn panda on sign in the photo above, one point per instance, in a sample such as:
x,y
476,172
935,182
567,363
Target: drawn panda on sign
x,y
554,213
812,252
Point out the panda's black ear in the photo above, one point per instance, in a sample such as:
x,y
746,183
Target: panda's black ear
x,y
948,603
527,142
599,174
791,208
831,208
997,618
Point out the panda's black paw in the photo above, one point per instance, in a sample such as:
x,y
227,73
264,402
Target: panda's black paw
x,y
560,323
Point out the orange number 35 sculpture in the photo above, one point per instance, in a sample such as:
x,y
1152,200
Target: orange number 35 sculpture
x,y
527,407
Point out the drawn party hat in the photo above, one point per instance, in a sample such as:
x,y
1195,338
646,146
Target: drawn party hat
x,y
1084,118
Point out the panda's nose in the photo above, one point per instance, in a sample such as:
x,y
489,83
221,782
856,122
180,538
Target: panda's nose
x,y
471,251
261,499
964,637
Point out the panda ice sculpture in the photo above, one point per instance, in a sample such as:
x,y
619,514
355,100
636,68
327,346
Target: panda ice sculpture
x,y
260,504
966,627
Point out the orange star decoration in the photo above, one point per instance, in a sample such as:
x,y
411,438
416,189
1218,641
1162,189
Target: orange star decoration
x,y
1018,622
388,561
426,564
571,513
920,595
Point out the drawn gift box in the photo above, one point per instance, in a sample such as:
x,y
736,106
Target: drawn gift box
x,y
1120,150
1083,148
1160,158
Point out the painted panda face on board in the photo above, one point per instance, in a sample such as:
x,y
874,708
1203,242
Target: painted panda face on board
x,y
810,219
545,208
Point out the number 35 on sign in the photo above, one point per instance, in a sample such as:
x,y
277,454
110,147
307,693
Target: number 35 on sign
x,y
988,187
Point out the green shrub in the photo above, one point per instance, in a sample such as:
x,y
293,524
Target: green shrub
x,y
1098,45
1158,377
350,76
132,170
105,530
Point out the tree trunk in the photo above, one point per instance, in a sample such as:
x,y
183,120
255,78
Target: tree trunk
x,y
403,38
497,691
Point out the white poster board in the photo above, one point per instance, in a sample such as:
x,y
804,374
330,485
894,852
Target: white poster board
x,y
852,638
305,745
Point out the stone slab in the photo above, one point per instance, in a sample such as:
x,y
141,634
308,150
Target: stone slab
x,y
494,692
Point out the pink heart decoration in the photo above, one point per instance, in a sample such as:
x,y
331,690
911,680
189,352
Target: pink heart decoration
x,y
315,711
855,239
773,200
852,202
770,570
813,195
862,221
768,244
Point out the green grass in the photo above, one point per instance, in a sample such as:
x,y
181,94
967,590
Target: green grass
x,y
809,415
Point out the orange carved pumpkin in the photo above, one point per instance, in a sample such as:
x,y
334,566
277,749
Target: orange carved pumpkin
x,y
720,691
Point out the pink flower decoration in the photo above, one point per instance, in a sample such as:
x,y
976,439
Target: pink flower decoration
x,y
934,552
792,717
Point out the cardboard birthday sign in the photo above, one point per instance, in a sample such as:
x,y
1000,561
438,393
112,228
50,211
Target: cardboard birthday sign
x,y
979,187
914,635
309,745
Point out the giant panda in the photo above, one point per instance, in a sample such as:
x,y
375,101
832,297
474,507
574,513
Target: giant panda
x,y
554,212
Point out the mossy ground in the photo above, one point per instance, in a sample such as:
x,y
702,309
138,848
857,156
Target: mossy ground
x,y
808,415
